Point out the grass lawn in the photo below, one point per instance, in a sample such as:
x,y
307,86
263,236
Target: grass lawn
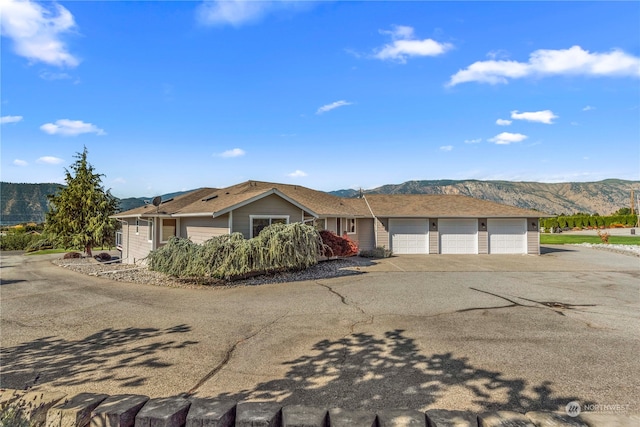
x,y
559,239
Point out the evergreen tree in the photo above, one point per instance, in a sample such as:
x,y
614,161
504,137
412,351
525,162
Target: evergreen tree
x,y
79,213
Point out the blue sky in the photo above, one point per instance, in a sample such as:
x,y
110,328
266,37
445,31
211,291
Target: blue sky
x,y
170,96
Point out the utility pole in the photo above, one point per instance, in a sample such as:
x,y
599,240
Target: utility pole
x,y
633,211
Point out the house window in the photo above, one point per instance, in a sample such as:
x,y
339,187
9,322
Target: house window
x,y
137,226
350,225
259,222
150,229
168,228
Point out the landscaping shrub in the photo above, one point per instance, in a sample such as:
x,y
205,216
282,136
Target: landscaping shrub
x,y
72,255
103,257
40,245
17,240
379,252
336,245
278,247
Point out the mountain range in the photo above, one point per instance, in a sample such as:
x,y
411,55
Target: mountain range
x,y
21,203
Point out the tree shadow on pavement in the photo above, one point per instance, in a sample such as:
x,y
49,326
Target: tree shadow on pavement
x,y
361,371
108,355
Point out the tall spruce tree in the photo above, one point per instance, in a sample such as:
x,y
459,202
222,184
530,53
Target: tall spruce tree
x,y
79,213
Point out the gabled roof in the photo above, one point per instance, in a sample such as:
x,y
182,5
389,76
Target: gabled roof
x,y
443,206
167,207
215,202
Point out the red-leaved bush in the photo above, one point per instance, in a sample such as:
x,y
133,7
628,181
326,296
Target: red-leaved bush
x,y
337,246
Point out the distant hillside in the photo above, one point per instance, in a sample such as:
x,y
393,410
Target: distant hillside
x,y
24,202
28,202
603,197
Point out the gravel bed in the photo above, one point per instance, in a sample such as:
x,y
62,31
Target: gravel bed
x,y
622,249
141,274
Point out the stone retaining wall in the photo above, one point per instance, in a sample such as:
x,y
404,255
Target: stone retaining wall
x,y
53,409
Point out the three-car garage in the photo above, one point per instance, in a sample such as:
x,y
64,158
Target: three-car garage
x,y
459,235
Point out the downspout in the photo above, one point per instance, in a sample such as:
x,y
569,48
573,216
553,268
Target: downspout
x,y
375,221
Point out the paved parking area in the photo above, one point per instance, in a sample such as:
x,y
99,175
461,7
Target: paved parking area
x,y
453,332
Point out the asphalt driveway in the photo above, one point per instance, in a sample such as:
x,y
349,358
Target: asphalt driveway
x,y
452,332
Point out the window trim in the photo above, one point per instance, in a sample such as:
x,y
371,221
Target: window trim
x,y
150,231
347,225
269,217
175,229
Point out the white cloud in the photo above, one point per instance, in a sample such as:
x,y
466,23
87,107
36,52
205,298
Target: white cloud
x,y
66,127
506,138
235,152
503,122
10,119
119,180
36,30
545,116
473,141
49,160
446,148
19,162
405,45
240,12
545,62
297,174
48,75
332,106
588,108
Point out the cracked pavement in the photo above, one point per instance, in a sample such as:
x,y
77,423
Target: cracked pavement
x,y
450,332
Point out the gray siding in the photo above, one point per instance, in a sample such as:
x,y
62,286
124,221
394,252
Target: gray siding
x,y
382,228
135,246
533,236
332,225
200,230
434,236
270,205
483,236
364,236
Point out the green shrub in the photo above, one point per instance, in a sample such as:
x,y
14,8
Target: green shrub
x,y
14,416
379,252
17,240
278,247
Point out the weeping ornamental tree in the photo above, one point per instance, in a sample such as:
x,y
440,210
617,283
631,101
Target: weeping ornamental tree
x,y
79,213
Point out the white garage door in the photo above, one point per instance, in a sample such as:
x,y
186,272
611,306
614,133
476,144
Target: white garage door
x,y
507,236
458,236
409,236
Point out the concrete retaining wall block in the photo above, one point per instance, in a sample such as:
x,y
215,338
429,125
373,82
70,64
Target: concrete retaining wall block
x,y
163,412
98,410
401,418
74,412
444,418
258,414
118,411
555,419
35,405
345,418
304,416
211,413
504,419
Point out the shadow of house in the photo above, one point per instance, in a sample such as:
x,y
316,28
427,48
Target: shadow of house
x,y
361,371
100,357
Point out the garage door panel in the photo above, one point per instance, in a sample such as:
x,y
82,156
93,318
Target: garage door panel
x,y
458,236
507,236
409,236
